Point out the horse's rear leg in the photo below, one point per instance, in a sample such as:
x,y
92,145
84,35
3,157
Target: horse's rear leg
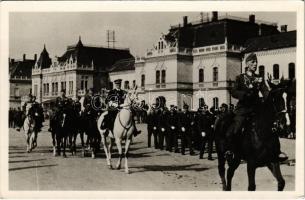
x,y
222,170
119,146
276,171
251,176
233,165
127,144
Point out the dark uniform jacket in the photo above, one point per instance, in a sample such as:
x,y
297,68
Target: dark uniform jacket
x,y
204,122
163,118
185,120
172,121
248,97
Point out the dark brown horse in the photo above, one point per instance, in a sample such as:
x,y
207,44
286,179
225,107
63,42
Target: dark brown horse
x,y
258,143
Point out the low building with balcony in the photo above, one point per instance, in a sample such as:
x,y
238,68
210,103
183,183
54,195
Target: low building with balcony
x,y
20,79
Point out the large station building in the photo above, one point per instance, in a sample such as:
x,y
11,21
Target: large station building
x,y
194,63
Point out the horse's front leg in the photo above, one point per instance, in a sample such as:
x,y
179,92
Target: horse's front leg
x,y
105,146
276,171
27,142
119,146
127,144
64,146
233,165
251,176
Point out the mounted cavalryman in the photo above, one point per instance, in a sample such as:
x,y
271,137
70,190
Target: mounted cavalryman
x,y
114,100
250,90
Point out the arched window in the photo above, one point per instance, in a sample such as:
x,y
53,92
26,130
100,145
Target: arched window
x,y
163,76
201,76
201,102
126,85
157,77
143,81
291,70
261,71
276,71
215,102
133,83
215,74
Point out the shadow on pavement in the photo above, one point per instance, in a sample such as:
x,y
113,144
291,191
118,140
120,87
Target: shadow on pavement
x,y
30,167
21,161
170,168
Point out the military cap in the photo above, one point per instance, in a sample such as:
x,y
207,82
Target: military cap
x,y
118,81
251,56
185,106
224,106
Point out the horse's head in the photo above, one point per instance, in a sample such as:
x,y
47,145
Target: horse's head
x,y
278,97
131,96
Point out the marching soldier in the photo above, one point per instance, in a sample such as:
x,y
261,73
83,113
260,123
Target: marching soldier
x,y
204,122
172,127
185,129
152,126
163,112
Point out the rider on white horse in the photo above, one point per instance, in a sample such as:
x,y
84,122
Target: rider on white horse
x,y
115,99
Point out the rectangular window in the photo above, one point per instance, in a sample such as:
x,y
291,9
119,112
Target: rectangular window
x,y
143,81
82,85
126,85
163,78
16,92
157,77
86,84
35,90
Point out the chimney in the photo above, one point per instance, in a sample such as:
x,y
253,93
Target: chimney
x,y
184,21
35,57
252,18
23,57
284,28
214,16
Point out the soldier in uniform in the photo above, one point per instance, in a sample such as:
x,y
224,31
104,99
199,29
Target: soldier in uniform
x,y
154,123
204,123
114,99
185,129
249,89
163,112
172,127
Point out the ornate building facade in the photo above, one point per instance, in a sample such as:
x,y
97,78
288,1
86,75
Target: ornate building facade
x,y
78,69
196,63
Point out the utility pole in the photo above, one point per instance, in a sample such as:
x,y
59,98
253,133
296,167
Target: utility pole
x,y
111,38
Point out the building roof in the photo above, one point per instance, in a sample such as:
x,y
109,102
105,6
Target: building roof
x,y
21,68
44,60
102,57
215,32
123,65
275,41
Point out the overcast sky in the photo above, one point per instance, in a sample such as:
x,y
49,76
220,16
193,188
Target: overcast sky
x,y
28,32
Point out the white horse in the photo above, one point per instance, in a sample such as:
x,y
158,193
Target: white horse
x,y
123,130
29,127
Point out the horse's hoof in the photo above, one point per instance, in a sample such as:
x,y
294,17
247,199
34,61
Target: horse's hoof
x,y
127,171
93,156
109,166
118,167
